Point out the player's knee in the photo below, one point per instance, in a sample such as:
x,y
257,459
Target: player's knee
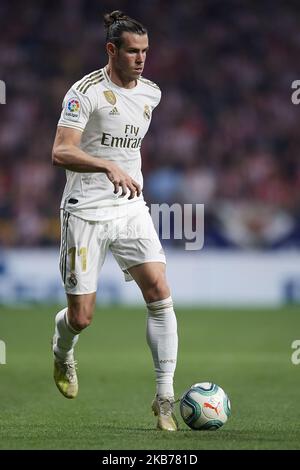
x,y
157,289
80,318
80,323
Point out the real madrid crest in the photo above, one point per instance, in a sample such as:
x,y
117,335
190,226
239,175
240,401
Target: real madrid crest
x,y
110,97
147,112
72,280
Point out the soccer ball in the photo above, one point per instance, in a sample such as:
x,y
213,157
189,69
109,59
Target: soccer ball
x,y
205,406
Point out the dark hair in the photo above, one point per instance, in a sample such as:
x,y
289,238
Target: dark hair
x,y
117,23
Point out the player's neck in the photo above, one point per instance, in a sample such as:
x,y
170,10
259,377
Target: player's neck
x,y
119,80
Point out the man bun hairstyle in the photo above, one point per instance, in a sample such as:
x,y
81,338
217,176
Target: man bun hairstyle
x,y
116,23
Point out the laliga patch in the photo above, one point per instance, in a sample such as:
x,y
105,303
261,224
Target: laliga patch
x,y
72,109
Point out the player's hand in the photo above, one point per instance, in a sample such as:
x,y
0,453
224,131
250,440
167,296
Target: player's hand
x,y
120,179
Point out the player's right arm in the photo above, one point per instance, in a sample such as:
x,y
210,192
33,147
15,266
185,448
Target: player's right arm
x,y
67,154
76,111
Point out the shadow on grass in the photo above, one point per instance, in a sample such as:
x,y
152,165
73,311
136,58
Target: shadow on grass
x,y
221,435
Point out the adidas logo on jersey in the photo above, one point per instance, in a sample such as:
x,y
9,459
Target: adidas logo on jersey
x,y
114,112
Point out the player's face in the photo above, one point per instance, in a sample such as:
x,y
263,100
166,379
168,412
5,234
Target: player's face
x,y
131,56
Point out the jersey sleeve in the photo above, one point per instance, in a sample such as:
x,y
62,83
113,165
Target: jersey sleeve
x,y
152,91
157,98
77,108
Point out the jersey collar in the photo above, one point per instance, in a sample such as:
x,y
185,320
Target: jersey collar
x,y
126,91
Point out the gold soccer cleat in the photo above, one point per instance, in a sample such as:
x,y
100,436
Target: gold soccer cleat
x,y
65,377
163,407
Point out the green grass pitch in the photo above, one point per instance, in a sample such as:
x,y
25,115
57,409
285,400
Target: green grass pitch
x,y
247,352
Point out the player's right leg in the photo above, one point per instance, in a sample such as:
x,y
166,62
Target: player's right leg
x,y
80,261
69,323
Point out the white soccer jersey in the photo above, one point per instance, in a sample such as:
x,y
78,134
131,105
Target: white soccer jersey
x,y
113,121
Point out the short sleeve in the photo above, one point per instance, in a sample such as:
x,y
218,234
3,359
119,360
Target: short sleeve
x,y
157,98
76,109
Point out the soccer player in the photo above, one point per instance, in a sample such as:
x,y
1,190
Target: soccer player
x,y
104,119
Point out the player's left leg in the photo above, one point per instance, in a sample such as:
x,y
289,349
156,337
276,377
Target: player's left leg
x,y
161,337
139,253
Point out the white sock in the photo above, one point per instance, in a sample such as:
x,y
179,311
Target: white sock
x,y
163,342
66,336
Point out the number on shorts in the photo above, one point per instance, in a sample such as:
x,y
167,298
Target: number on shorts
x,y
83,257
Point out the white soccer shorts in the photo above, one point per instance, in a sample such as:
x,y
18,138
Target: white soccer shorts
x,y
132,239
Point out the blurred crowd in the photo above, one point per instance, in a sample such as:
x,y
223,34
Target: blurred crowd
x,y
225,135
